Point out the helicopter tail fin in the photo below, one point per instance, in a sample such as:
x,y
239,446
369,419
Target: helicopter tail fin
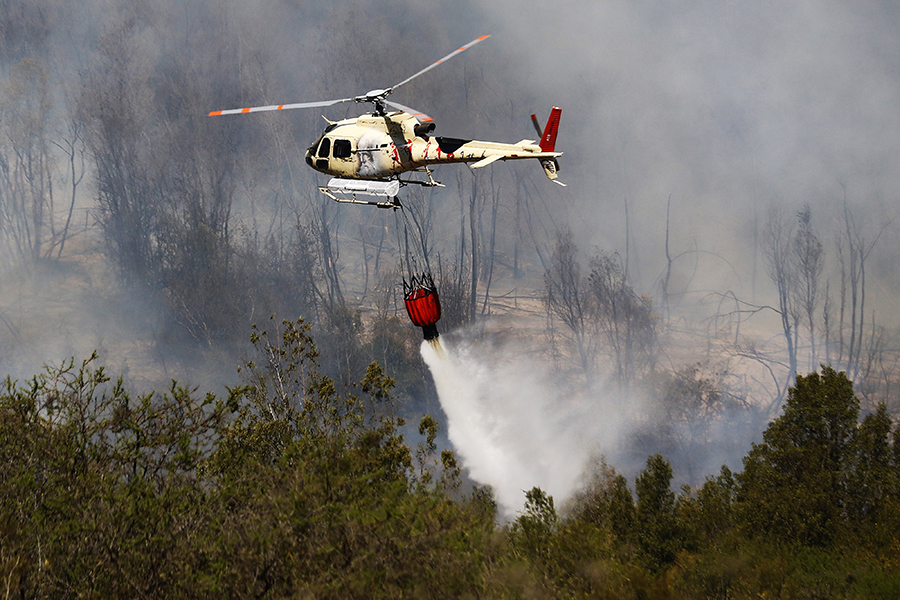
x,y
548,143
548,137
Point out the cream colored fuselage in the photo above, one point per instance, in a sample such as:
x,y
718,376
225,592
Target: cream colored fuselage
x,y
380,147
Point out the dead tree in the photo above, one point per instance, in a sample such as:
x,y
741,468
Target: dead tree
x,y
782,271
72,145
26,184
565,296
853,276
625,320
809,255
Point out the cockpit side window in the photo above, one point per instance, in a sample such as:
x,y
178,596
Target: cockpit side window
x,y
324,148
342,148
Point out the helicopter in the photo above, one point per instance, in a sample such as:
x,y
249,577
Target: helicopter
x,y
367,155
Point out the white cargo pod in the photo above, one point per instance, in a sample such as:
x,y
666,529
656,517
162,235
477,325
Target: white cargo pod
x,y
387,189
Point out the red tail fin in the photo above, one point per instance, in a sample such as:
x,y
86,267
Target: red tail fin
x,y
548,139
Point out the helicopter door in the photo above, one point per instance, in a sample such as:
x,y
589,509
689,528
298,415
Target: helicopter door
x,y
324,150
343,161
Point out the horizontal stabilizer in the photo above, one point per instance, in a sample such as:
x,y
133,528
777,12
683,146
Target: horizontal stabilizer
x,y
486,161
387,189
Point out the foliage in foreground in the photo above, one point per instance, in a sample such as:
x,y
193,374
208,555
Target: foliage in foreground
x,y
283,489
286,488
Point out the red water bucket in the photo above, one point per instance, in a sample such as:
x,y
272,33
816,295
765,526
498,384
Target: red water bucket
x,y
423,305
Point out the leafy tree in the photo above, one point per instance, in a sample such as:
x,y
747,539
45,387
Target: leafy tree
x,y
605,501
326,481
655,513
895,462
533,538
717,500
872,501
396,346
283,488
705,519
98,495
567,558
537,523
796,484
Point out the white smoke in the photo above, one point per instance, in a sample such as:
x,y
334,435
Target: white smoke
x,y
514,425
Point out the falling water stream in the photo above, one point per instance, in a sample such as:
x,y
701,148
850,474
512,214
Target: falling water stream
x,y
507,423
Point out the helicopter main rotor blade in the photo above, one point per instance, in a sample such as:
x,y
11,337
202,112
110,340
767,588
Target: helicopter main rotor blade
x,y
433,65
375,96
422,117
236,111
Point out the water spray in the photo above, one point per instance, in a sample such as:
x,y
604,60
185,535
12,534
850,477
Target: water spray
x,y
511,424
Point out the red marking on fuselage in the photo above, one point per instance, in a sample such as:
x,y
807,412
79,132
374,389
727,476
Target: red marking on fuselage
x,y
447,155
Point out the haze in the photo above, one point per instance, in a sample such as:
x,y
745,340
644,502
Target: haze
x,y
688,129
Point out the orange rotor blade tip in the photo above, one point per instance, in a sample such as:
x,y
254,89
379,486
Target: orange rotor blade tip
x,y
215,113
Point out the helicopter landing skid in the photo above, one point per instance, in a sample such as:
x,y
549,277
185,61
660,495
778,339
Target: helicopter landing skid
x,y
381,188
430,183
391,202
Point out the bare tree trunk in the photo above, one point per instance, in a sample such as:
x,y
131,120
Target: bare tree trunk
x,y
782,272
25,162
810,261
519,233
625,318
473,235
327,230
422,213
365,254
854,291
565,299
664,287
826,321
859,251
535,238
74,144
843,305
495,203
